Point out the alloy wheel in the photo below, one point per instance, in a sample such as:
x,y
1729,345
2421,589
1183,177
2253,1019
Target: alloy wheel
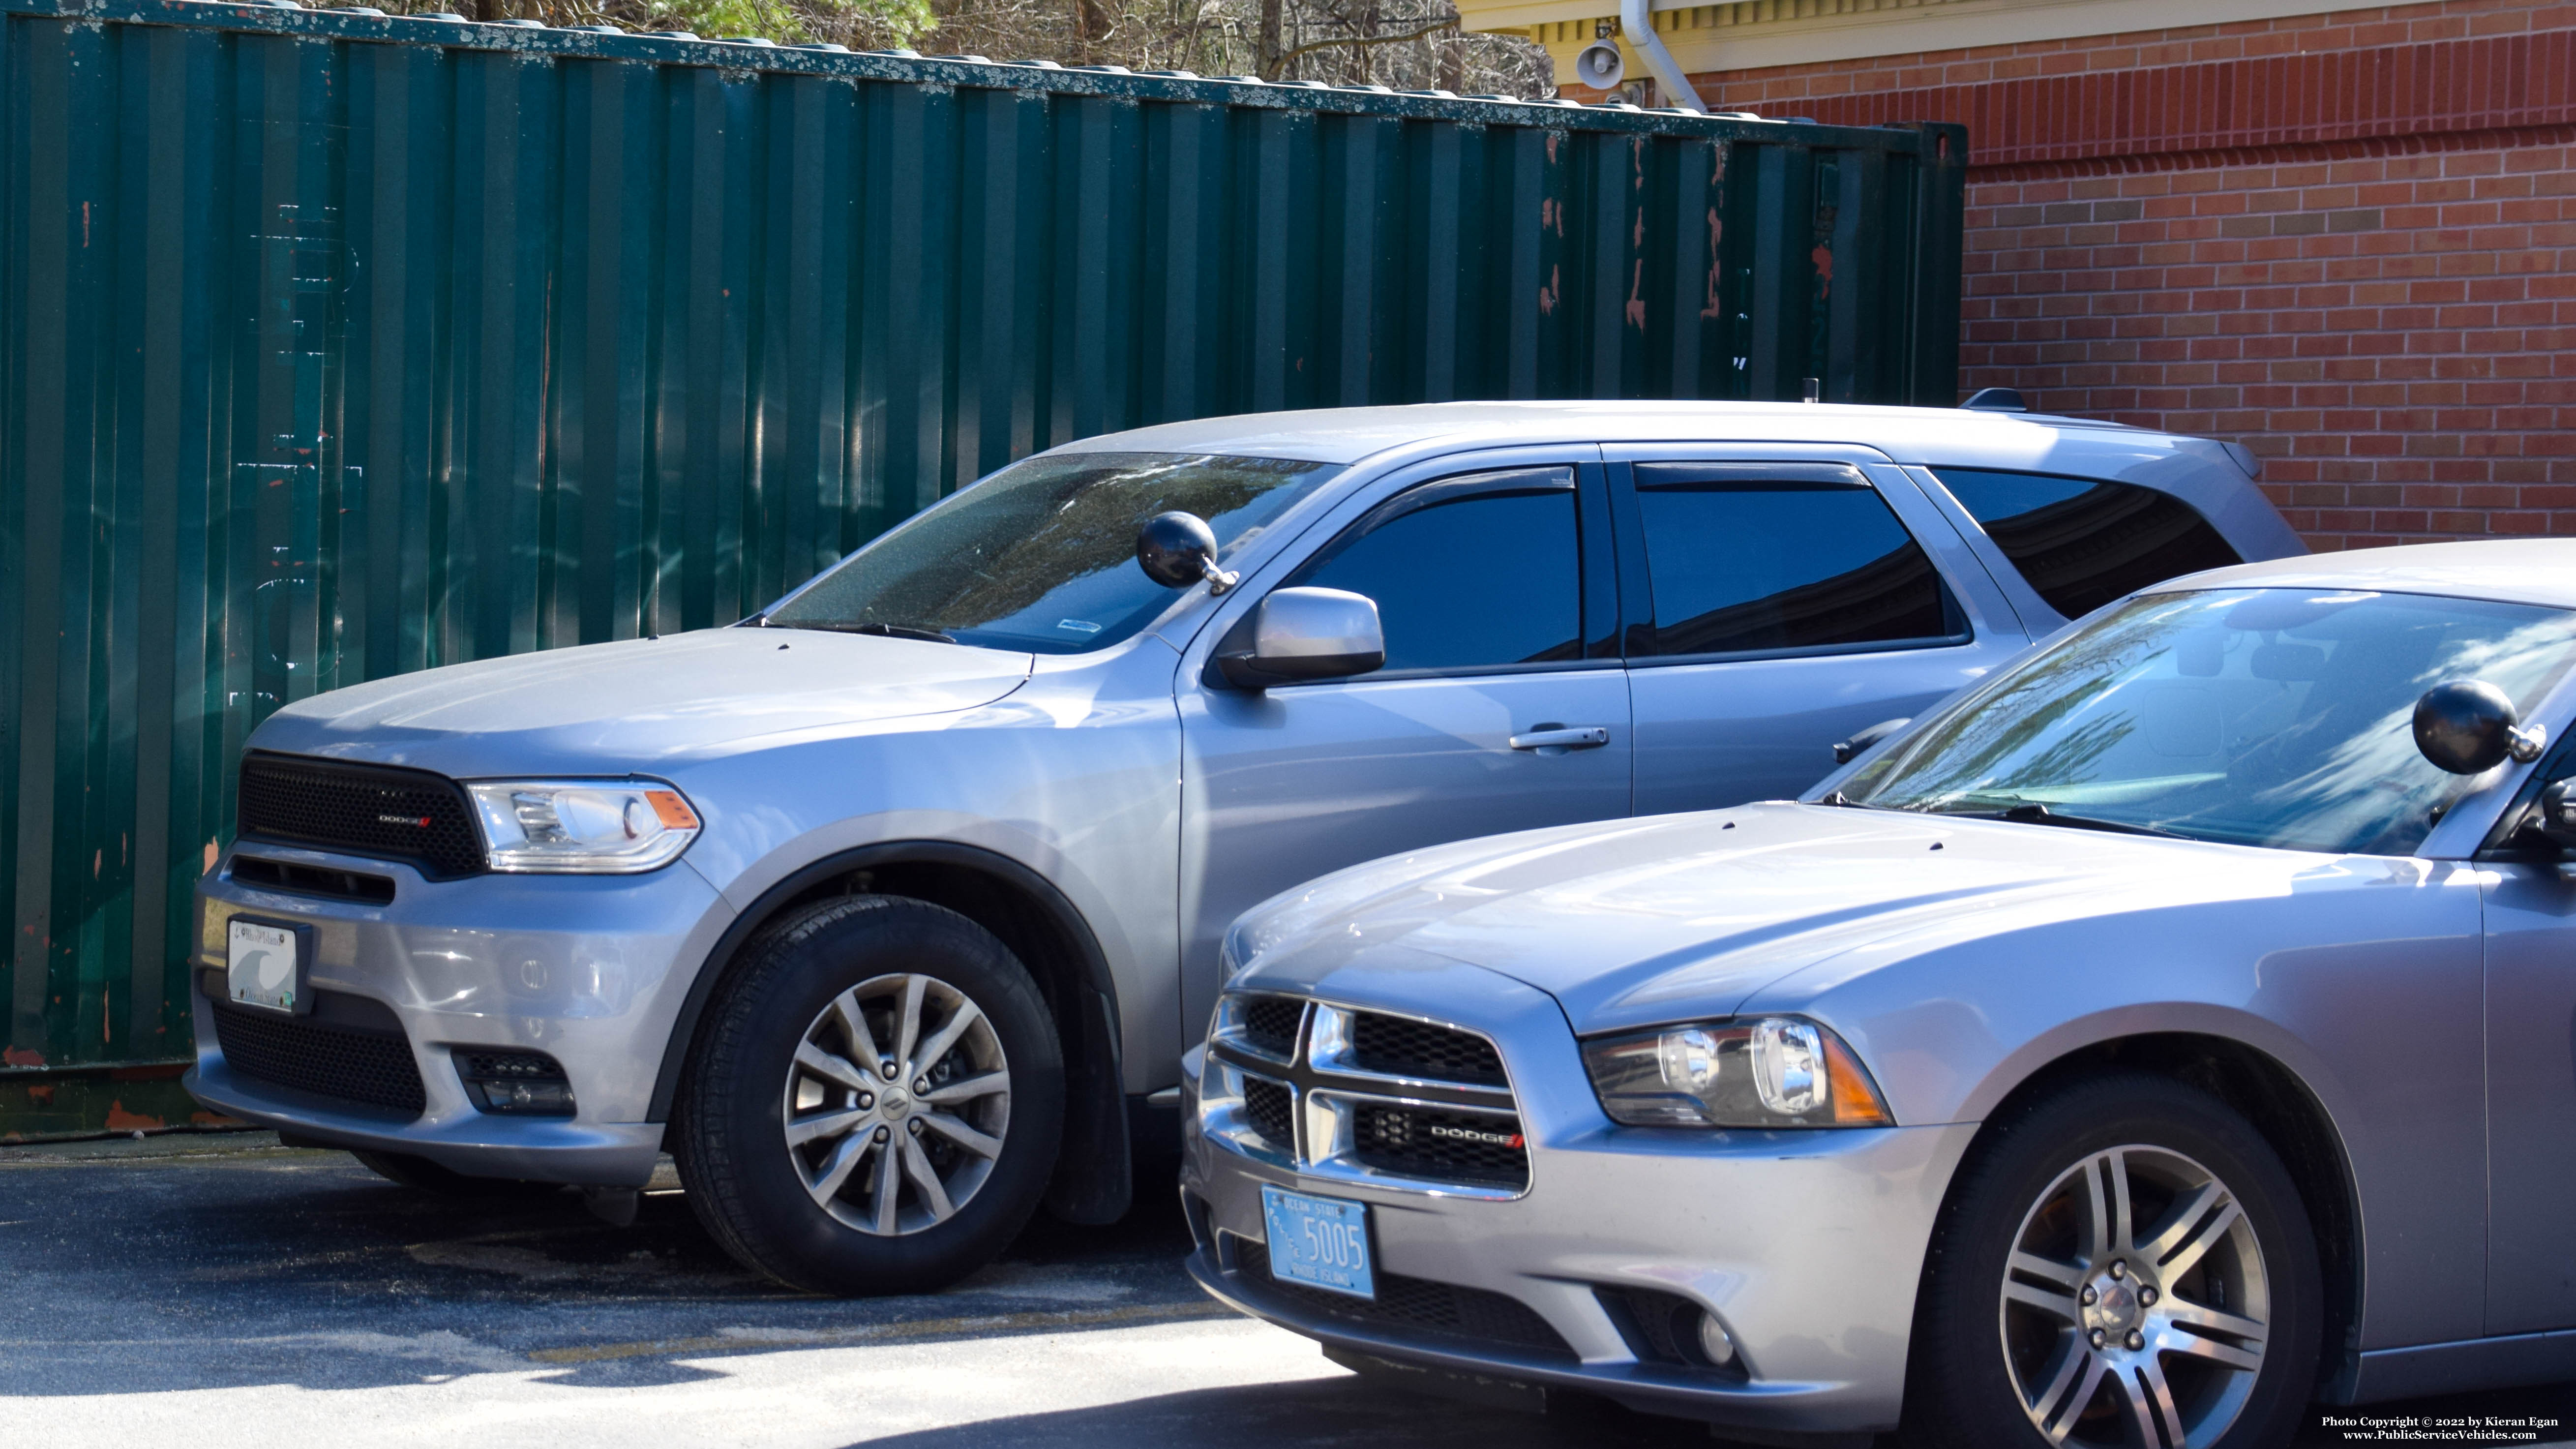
x,y
897,1104
2135,1307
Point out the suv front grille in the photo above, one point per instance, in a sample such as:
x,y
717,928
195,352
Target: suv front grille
x,y
1415,1305
1414,1141
1399,1047
1272,1112
406,815
354,1065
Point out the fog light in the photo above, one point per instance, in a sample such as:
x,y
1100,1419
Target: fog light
x,y
524,1084
1714,1342
553,1099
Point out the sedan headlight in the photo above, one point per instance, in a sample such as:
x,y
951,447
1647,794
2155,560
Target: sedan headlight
x,y
1775,1071
588,827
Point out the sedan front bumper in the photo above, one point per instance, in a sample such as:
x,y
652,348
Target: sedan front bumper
x,y
1807,1246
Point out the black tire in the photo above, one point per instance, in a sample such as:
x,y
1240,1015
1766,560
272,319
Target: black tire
x,y
1975,1356
427,1176
750,1187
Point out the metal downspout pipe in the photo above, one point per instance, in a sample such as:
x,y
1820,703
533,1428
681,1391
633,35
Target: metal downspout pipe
x,y
1637,22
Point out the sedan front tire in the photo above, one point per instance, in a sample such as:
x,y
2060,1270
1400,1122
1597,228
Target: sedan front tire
x,y
2125,1262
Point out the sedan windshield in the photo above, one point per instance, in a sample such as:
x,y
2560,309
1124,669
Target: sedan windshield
x,y
2279,717
1042,555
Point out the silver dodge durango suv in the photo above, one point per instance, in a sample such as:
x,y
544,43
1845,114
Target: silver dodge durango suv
x,y
889,911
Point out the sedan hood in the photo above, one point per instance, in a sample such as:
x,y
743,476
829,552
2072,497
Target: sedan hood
x,y
639,703
1637,922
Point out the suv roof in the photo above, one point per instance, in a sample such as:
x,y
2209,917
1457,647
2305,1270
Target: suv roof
x,y
2216,479
1347,435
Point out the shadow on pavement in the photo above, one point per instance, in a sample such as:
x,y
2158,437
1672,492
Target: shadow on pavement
x,y
1338,1411
1354,1411
245,1265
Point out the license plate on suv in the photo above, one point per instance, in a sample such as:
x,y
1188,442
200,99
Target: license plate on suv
x,y
1320,1242
264,964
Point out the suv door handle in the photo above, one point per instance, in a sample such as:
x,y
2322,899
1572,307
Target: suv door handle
x,y
1555,739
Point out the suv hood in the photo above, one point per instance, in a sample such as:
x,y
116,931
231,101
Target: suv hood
x,y
631,705
1634,923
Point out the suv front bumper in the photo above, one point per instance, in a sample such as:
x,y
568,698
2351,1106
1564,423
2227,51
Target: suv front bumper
x,y
590,970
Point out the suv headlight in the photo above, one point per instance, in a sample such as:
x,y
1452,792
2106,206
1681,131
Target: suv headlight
x,y
1773,1071
587,827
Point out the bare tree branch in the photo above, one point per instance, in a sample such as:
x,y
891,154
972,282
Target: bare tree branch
x,y
1312,46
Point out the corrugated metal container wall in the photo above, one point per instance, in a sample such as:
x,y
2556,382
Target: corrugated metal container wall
x,y
337,346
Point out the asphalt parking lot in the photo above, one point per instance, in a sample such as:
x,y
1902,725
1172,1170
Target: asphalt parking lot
x,y
223,1290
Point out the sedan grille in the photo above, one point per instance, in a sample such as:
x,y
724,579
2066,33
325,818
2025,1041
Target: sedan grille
x,y
1415,1306
1345,1092
1399,1047
369,1067
406,815
1272,1112
1412,1141
1270,1024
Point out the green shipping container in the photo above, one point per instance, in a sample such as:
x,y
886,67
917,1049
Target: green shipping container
x,y
335,345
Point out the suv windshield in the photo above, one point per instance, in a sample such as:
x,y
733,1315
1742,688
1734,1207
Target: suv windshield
x,y
1042,555
2279,717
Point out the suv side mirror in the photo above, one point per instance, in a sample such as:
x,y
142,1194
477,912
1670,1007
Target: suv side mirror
x,y
1177,550
1298,634
2468,727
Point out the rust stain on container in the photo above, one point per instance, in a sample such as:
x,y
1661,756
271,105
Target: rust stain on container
x,y
120,1120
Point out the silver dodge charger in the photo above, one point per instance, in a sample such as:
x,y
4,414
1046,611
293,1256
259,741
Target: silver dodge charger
x,y
2172,1029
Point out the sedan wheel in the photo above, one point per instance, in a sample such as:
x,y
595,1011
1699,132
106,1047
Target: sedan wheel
x,y
2135,1306
2125,1262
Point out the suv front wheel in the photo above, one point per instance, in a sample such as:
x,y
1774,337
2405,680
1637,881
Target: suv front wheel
x,y
875,1101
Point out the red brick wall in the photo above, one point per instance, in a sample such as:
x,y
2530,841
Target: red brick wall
x,y
2348,241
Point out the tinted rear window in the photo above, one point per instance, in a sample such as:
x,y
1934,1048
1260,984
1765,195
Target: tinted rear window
x,y
2081,542
1748,558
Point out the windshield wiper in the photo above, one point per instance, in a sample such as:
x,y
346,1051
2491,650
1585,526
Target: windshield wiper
x,y
2034,813
882,631
906,631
